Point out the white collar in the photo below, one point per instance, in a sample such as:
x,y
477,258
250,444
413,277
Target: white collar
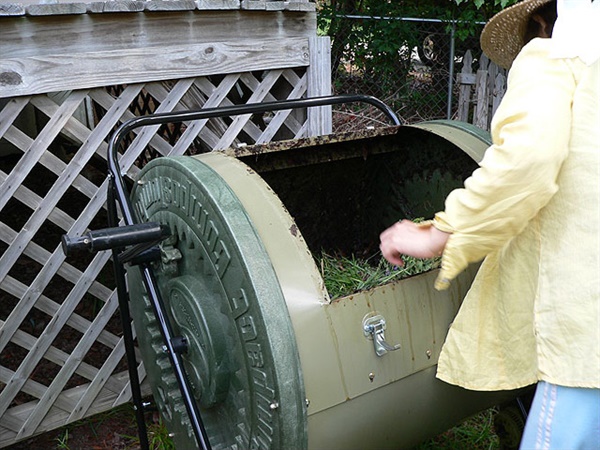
x,y
576,32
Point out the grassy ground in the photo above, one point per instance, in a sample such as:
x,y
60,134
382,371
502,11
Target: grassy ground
x,y
476,433
116,430
111,430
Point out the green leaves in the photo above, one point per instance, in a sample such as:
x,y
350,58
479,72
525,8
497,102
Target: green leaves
x,y
479,3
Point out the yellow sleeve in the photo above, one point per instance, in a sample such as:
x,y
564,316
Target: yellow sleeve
x,y
517,176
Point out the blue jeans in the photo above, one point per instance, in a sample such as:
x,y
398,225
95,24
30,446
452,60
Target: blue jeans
x,y
563,418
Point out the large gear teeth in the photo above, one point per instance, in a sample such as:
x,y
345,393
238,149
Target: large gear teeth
x,y
173,400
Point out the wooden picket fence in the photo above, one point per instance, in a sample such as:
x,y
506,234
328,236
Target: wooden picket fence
x,y
480,91
61,346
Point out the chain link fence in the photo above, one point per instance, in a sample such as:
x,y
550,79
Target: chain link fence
x,y
409,63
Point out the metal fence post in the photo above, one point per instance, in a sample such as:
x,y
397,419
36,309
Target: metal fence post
x,y
451,71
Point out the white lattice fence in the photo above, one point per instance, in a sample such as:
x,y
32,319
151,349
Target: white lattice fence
x,y
62,354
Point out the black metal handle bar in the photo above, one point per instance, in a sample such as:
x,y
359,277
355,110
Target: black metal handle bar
x,y
221,111
118,193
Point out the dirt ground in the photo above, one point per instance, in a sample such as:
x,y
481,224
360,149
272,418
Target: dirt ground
x,y
111,430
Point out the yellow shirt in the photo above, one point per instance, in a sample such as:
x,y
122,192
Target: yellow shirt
x,y
532,211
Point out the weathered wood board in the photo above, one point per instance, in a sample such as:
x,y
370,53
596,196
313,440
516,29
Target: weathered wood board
x,y
479,93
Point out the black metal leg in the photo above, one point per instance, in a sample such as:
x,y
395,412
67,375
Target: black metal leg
x,y
123,296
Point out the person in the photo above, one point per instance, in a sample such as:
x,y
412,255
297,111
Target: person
x,y
531,214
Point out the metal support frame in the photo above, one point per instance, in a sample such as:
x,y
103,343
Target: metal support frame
x,y
143,237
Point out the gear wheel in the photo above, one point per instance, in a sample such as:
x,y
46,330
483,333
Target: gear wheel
x,y
170,401
509,425
223,298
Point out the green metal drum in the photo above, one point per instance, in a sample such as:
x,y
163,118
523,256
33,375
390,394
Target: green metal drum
x,y
273,362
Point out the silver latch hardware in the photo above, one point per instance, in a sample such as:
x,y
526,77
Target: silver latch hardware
x,y
373,328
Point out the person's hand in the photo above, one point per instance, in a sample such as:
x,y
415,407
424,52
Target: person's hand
x,y
409,238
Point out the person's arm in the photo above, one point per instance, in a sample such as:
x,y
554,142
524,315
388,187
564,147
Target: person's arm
x,y
517,176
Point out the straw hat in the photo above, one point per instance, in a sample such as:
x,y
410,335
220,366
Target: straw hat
x,y
502,36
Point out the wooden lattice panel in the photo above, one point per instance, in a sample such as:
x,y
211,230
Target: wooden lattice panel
x,y
61,350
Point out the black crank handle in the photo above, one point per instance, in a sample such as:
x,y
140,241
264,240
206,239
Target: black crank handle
x,y
117,237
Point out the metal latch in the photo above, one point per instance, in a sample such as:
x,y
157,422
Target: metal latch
x,y
373,328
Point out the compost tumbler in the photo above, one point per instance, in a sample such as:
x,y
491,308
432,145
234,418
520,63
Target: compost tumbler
x,y
273,362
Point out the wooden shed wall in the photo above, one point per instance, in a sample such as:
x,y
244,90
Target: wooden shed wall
x,y
70,73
